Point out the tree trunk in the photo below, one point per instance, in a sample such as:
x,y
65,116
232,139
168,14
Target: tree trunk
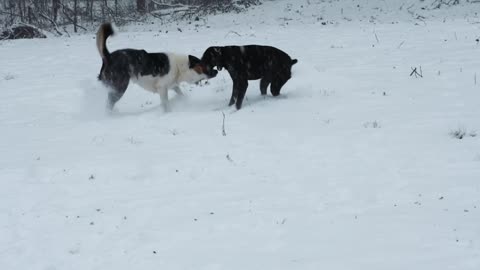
x,y
20,9
75,16
91,9
30,15
11,6
104,10
55,7
141,6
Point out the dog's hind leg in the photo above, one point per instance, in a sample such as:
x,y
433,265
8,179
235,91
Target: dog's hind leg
x,y
178,90
238,85
264,82
116,91
113,97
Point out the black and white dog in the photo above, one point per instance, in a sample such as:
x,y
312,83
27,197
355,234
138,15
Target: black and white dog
x,y
251,62
156,72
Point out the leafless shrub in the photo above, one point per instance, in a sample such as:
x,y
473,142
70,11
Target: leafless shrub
x,y
417,72
461,133
21,31
439,3
8,77
372,124
458,133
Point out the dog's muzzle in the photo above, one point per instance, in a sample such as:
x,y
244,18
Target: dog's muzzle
x,y
212,73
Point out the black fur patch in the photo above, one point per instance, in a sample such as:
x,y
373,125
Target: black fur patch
x,y
193,61
251,62
138,63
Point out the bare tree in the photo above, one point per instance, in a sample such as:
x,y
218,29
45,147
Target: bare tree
x,y
75,13
141,6
55,8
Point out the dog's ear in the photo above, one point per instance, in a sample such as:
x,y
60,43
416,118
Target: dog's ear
x,y
193,61
199,69
294,61
195,64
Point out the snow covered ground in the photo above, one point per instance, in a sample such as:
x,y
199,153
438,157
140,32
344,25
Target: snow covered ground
x,y
353,167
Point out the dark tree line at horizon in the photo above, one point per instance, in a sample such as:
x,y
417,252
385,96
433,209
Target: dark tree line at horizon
x,y
56,15
59,16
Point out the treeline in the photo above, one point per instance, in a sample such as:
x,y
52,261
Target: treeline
x,y
56,15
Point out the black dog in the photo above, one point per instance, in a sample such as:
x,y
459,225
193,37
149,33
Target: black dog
x,y
251,62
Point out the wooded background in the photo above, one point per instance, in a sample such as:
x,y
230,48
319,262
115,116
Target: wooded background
x,y
55,15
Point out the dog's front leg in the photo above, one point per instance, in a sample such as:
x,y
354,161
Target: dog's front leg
x,y
178,90
238,84
234,96
234,93
241,90
264,82
164,98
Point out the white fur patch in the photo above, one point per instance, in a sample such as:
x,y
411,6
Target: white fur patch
x,y
147,82
179,72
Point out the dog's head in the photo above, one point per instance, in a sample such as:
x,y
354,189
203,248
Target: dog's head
x,y
213,57
198,70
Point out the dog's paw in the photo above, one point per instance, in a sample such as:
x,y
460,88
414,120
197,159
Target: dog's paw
x,y
111,111
232,110
166,108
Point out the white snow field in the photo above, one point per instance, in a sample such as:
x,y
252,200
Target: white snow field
x,y
354,166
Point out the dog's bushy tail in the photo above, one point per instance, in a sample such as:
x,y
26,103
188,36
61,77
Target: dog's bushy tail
x,y
103,33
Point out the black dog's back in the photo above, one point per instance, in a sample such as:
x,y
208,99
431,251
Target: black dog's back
x,y
257,61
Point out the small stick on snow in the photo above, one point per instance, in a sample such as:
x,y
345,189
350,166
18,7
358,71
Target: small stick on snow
x,y
416,73
400,45
414,70
223,125
378,41
233,32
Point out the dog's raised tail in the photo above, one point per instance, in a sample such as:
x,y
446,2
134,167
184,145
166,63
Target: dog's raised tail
x,y
294,61
103,33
